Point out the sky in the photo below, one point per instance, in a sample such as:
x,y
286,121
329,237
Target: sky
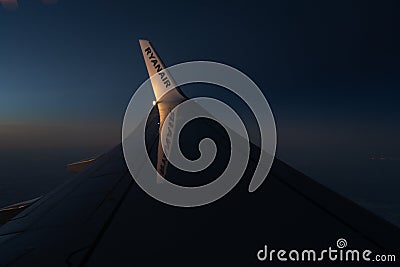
x,y
329,69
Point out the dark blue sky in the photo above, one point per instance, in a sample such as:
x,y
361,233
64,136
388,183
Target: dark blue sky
x,y
336,57
330,70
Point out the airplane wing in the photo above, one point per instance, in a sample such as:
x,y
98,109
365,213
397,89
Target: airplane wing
x,y
101,217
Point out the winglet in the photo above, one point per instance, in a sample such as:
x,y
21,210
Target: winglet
x,y
163,82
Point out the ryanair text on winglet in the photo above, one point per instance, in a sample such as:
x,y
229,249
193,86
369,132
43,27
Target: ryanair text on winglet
x,y
158,67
